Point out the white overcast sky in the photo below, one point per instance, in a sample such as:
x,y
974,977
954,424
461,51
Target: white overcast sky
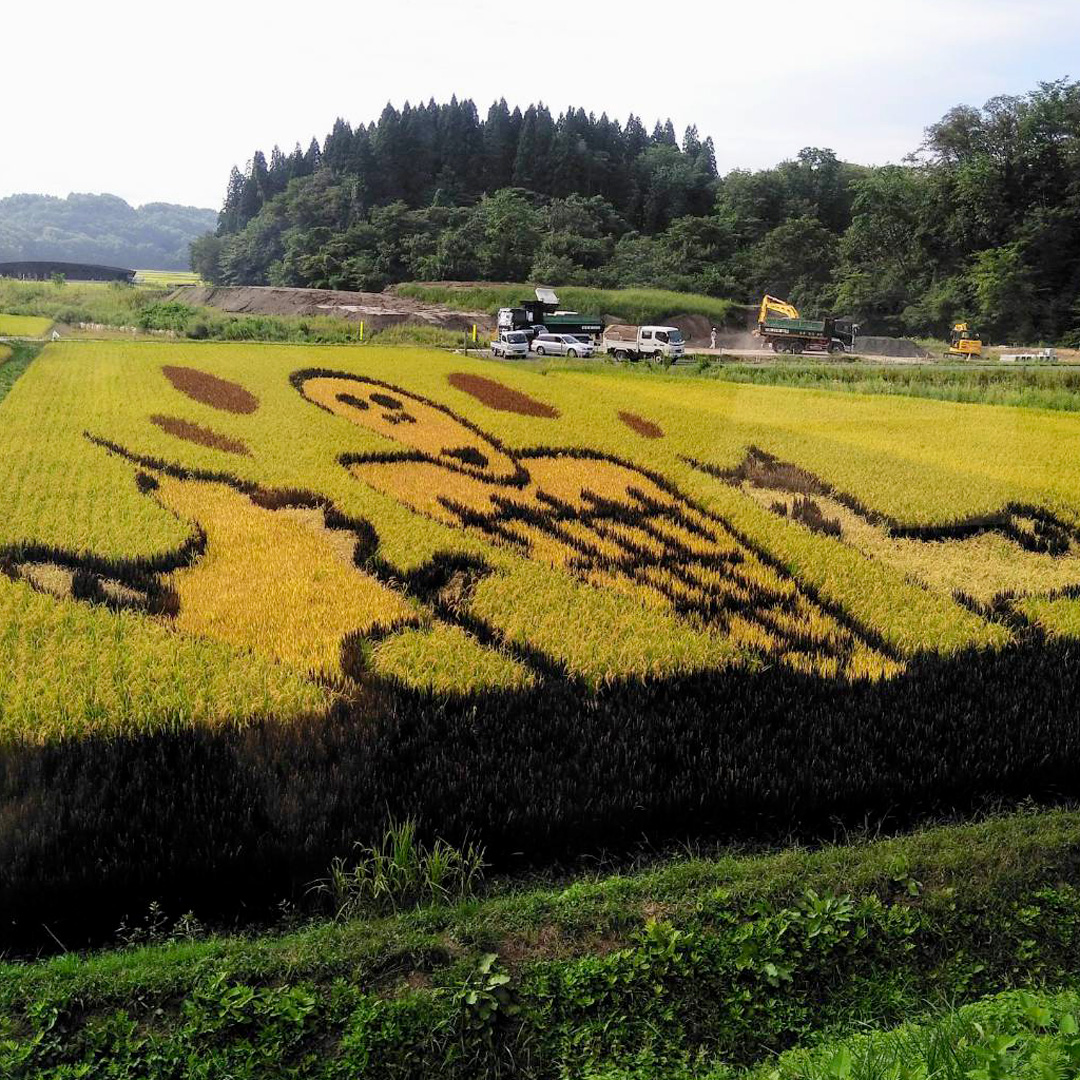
x,y
156,102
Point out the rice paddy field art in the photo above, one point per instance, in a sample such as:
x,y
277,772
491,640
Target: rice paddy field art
x,y
254,598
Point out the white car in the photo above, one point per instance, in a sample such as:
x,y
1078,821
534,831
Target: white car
x,y
561,345
511,343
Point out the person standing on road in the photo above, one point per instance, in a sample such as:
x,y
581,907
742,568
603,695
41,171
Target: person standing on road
x,y
712,339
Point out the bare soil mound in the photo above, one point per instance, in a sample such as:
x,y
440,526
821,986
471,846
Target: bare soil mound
x,y
377,310
889,346
695,328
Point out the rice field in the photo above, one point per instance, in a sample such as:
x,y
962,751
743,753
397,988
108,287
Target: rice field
x,y
284,506
277,592
167,279
24,325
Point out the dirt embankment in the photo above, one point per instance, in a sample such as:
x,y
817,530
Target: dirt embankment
x,y
377,310
901,348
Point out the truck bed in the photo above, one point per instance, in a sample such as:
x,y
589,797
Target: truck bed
x,y
794,326
621,332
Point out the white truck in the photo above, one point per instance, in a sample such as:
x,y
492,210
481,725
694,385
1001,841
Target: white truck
x,y
510,343
643,342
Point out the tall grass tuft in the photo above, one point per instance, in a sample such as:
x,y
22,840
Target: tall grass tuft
x,y
439,337
400,871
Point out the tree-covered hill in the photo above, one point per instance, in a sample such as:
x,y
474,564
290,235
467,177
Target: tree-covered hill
x,y
982,222
100,229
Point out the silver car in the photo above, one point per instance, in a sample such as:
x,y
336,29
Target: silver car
x,y
561,345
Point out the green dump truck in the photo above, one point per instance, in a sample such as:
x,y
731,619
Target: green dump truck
x,y
808,335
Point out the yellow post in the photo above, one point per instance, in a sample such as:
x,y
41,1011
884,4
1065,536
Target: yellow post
x,y
361,329
474,333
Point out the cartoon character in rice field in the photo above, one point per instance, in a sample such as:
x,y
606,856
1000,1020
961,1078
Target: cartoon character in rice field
x,y
284,573
602,520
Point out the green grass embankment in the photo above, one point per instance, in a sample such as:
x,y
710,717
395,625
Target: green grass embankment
x,y
1034,387
663,973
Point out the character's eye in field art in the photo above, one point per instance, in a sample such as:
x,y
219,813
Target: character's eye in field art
x,y
429,431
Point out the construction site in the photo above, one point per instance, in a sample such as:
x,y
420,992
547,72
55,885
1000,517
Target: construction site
x,y
747,332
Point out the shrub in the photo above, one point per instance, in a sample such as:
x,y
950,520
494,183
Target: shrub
x,y
165,316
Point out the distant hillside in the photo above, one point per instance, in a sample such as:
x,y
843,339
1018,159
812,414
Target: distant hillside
x,y
100,229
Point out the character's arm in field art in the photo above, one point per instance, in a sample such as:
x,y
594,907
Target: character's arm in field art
x,y
990,562
277,571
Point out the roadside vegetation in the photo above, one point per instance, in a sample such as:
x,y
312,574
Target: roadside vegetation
x,y
628,305
73,303
35,306
1036,387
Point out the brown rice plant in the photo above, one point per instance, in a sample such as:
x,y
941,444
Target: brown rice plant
x,y
401,871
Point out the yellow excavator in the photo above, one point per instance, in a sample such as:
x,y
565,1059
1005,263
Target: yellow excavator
x,y
770,303
964,342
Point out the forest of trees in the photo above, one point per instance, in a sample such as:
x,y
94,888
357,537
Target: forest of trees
x,y
100,229
981,222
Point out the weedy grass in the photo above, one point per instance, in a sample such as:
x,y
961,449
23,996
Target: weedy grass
x,y
1037,387
400,871
1018,1034
436,337
112,304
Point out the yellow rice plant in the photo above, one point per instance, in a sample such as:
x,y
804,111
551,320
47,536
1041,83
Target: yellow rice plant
x,y
277,581
33,326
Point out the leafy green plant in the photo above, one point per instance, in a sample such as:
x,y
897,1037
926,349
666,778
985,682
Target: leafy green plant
x,y
155,928
485,996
